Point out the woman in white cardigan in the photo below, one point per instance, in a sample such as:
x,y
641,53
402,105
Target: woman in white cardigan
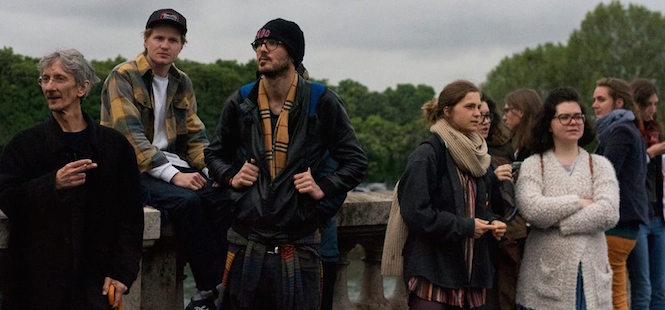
x,y
570,198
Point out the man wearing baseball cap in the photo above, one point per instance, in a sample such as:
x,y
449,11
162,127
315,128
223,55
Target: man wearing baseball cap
x,y
269,151
152,103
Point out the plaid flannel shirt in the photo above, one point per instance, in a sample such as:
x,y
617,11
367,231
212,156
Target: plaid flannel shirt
x,y
128,106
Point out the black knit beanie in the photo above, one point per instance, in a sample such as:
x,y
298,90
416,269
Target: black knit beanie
x,y
287,32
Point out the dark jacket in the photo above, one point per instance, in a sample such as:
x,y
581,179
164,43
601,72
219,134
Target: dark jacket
x,y
432,204
273,209
69,240
655,186
625,148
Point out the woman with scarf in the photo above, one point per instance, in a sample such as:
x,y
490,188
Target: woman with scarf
x,y
620,141
646,263
444,197
570,198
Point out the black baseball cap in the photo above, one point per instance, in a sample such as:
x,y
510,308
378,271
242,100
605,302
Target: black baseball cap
x,y
168,16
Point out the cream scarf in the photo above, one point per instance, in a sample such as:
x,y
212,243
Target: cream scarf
x,y
469,152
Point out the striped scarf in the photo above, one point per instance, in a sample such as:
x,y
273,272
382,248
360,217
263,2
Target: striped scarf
x,y
276,145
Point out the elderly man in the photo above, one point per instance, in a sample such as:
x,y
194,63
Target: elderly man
x,y
269,151
71,191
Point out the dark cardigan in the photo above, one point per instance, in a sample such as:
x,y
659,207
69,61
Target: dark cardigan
x,y
431,201
655,186
625,148
71,237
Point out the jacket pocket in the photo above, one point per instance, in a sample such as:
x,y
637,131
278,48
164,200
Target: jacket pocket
x,y
551,280
603,285
180,116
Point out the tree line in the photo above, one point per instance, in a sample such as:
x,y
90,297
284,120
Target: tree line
x,y
613,40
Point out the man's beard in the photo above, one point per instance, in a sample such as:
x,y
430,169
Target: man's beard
x,y
278,70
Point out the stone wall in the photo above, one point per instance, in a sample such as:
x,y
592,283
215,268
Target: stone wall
x,y
362,221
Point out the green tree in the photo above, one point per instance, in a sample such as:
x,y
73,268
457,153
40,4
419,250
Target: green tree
x,y
613,41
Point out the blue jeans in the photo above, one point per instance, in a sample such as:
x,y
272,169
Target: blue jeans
x,y
646,267
201,219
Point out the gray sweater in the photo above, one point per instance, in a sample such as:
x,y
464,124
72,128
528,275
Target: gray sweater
x,y
565,234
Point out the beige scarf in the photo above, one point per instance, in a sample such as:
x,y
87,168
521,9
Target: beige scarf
x,y
469,152
276,144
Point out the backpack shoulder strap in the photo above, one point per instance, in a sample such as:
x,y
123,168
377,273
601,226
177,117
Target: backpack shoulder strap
x,y
591,164
245,89
316,92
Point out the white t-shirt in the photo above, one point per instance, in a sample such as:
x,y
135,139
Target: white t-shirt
x,y
166,171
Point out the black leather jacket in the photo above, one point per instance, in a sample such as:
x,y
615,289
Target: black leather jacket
x,y
273,209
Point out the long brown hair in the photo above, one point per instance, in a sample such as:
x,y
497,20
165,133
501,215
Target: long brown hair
x,y
529,103
642,90
451,94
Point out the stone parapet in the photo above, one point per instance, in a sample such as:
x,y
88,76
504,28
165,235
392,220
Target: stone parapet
x,y
361,221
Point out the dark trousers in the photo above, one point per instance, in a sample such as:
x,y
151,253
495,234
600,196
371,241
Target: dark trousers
x,y
270,293
201,219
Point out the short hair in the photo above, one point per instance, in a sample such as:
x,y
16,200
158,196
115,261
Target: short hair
x,y
72,62
148,31
451,94
542,134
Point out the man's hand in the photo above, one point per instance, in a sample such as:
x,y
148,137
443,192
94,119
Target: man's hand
x,y
73,174
305,183
499,229
118,291
246,176
481,227
192,180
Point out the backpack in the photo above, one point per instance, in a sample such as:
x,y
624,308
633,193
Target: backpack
x,y
316,91
392,261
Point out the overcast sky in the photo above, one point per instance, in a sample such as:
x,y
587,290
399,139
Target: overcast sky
x,y
379,43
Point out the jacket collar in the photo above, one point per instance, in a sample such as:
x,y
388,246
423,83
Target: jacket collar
x,y
144,68
55,134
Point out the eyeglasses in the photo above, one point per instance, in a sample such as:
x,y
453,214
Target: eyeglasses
x,y
271,44
567,119
486,117
58,79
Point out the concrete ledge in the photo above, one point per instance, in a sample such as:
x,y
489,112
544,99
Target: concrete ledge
x,y
151,227
365,208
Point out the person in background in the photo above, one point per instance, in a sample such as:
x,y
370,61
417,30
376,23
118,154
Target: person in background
x,y
508,255
519,114
620,141
71,191
565,263
444,195
269,152
329,249
153,104
646,263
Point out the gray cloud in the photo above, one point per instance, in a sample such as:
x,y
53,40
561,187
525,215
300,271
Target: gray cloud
x,y
377,43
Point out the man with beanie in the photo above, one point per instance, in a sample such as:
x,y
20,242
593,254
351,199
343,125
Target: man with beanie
x,y
269,150
152,103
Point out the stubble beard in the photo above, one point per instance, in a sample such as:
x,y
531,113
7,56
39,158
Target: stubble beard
x,y
279,70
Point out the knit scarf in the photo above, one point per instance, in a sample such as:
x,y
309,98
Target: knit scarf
x,y
276,145
468,151
609,121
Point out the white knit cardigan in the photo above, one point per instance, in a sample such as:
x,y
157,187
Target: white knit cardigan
x,y
563,233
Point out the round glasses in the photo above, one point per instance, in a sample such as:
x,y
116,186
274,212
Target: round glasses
x,y
271,44
567,119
